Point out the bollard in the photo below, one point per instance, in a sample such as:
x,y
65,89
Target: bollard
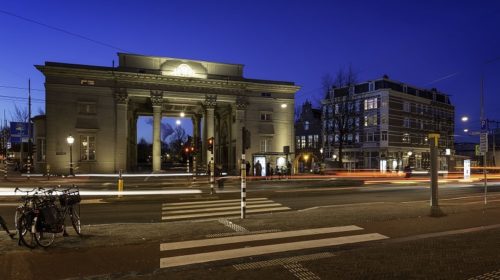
x,y
120,183
211,168
243,187
29,168
194,170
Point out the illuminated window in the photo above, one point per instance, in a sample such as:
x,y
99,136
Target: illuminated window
x,y
371,103
371,120
87,148
306,125
87,82
183,70
303,141
406,138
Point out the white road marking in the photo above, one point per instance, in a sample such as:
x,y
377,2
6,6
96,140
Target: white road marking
x,y
223,213
232,225
266,249
254,237
212,205
211,201
235,207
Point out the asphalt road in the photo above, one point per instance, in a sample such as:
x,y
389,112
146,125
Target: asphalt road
x,y
297,230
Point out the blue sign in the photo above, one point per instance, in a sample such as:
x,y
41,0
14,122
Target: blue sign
x,y
484,125
19,131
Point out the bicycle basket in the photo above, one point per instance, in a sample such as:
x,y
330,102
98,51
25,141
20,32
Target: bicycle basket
x,y
71,198
50,220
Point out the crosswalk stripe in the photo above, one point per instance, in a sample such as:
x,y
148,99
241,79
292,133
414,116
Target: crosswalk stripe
x,y
266,249
168,207
212,201
254,237
199,215
235,207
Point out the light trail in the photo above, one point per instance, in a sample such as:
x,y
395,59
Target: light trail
x,y
11,192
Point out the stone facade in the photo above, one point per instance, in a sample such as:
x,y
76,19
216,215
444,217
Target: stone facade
x,y
100,106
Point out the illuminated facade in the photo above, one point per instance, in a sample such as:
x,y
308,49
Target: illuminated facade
x,y
100,106
388,125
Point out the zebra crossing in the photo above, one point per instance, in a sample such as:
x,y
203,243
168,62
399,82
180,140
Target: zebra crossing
x,y
217,208
249,245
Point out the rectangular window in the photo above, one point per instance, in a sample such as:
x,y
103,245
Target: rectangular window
x,y
309,141
265,144
266,116
356,137
383,136
406,106
87,148
316,141
87,108
40,149
406,122
371,120
371,103
297,142
303,141
306,125
370,137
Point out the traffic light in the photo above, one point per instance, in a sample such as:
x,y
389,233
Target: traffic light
x,y
210,145
246,138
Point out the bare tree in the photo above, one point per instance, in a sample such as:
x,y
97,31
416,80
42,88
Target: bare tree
x,y
19,114
165,129
177,140
340,117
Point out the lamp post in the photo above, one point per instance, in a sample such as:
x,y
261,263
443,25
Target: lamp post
x,y
70,141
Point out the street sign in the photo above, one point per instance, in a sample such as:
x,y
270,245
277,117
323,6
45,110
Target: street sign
x,y
483,144
484,125
19,131
476,149
467,169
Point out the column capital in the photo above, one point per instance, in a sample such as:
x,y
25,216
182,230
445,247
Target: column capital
x,y
156,97
121,96
241,103
210,101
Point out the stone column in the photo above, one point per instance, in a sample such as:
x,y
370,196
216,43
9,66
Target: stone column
x,y
121,152
196,134
156,101
210,103
241,106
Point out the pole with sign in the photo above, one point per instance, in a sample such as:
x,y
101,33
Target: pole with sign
x,y
467,169
483,148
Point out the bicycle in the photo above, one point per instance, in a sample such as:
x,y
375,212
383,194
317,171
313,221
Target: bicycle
x,y
40,218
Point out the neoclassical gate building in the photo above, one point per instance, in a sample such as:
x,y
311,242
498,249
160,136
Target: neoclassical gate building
x,y
99,106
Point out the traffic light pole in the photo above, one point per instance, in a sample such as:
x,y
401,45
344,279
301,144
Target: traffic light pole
x,y
243,186
212,177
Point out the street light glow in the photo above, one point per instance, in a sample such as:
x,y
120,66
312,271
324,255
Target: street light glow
x,y
178,122
182,114
284,105
466,130
465,118
70,140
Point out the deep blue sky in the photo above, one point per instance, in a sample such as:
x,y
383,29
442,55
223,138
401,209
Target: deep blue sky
x,y
417,42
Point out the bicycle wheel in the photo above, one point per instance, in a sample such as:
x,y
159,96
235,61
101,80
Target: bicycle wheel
x,y
24,222
45,239
75,218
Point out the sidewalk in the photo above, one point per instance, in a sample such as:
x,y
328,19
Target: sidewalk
x,y
121,249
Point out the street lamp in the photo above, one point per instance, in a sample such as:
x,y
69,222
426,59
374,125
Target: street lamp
x,y
178,122
465,118
70,141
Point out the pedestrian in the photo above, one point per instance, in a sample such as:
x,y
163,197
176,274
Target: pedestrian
x,y
4,226
248,168
268,171
258,169
289,168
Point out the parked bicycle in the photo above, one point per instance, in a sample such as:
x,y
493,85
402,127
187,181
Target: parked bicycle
x,y
43,214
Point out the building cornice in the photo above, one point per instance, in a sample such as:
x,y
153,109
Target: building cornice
x,y
169,83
